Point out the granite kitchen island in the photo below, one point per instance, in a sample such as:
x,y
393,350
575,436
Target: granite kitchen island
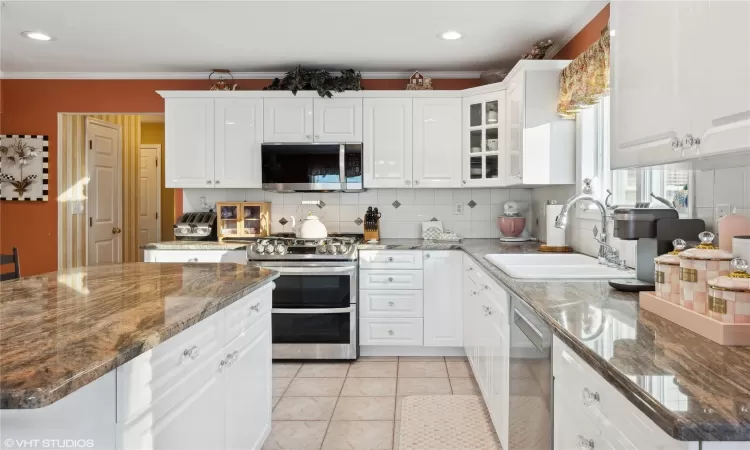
x,y
138,355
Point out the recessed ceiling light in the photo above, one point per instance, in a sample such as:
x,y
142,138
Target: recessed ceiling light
x,y
36,35
451,35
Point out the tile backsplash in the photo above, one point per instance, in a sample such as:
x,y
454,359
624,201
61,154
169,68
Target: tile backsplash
x,y
403,210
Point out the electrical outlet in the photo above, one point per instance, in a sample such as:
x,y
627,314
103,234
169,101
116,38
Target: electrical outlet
x,y
78,207
723,210
458,209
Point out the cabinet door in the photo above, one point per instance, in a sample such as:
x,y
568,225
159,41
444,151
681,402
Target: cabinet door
x,y
437,142
469,320
248,393
338,119
196,423
443,324
387,133
499,401
484,140
189,149
648,82
288,120
724,123
515,124
239,134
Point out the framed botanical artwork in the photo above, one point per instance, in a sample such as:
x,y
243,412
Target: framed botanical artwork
x,y
24,167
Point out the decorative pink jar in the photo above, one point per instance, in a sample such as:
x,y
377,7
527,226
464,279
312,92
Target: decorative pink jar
x,y
667,275
697,266
729,296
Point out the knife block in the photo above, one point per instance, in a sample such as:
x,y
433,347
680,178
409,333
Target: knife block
x,y
373,234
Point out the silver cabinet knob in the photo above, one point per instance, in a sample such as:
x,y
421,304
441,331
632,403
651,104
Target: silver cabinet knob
x,y
208,181
216,182
390,259
585,444
676,144
391,304
426,256
485,287
407,182
463,182
317,137
487,310
390,279
390,332
589,397
191,352
416,182
223,364
309,137
192,260
255,307
470,269
229,359
235,357
690,140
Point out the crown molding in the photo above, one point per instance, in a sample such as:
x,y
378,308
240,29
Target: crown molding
x,y
588,14
204,75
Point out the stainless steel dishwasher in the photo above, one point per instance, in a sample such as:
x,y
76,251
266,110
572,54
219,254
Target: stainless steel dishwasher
x,y
530,421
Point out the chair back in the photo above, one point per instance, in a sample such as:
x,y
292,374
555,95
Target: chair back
x,y
11,259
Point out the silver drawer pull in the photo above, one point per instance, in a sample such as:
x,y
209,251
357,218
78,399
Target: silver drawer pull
x,y
390,332
470,269
229,359
255,307
487,310
485,287
426,256
390,259
235,357
589,397
585,444
390,279
191,352
192,260
223,364
390,304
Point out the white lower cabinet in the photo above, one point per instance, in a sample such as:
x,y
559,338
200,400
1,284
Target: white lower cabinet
x,y
392,331
197,256
443,325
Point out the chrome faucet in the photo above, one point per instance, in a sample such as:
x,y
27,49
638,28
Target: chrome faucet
x,y
608,255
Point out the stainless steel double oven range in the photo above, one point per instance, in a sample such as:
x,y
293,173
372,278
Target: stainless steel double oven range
x,y
314,313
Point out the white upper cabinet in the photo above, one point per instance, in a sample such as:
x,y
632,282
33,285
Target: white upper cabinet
x,y
540,145
189,149
288,120
647,82
443,302
387,140
437,142
484,140
238,135
338,119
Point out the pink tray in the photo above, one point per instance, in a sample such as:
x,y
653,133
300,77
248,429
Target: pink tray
x,y
719,332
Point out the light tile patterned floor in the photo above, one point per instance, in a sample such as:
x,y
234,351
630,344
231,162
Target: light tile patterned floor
x,y
356,406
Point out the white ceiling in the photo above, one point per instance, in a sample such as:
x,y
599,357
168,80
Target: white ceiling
x,y
265,36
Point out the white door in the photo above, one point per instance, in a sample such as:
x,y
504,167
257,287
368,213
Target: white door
x,y
443,305
238,136
437,142
288,120
149,189
189,135
515,123
722,120
387,138
104,162
248,394
337,119
484,155
196,423
648,81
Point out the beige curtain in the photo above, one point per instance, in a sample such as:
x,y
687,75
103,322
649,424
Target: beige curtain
x,y
586,79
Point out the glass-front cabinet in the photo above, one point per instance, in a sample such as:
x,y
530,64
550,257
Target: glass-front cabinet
x,y
484,155
243,220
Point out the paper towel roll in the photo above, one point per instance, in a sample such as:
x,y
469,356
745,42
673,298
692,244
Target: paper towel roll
x,y
555,236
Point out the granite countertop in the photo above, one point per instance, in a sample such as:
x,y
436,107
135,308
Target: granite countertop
x,y
62,330
194,245
693,388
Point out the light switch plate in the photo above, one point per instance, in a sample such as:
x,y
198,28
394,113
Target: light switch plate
x,y
458,209
722,210
78,207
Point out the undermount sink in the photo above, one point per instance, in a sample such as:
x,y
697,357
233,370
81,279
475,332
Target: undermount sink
x,y
555,266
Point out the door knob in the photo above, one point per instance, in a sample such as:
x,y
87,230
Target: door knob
x,y
116,230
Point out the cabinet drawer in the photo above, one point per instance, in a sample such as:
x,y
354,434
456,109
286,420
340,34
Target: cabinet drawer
x,y
159,376
242,314
620,421
390,279
395,259
200,256
390,332
390,303
572,429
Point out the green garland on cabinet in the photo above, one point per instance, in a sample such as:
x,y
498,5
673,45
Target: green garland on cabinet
x,y
301,79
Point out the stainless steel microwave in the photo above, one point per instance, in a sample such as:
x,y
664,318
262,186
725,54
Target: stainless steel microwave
x,y
311,167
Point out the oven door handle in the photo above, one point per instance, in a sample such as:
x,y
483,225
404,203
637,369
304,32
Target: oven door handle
x,y
342,165
311,270
312,310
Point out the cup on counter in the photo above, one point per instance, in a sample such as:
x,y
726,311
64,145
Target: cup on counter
x,y
741,247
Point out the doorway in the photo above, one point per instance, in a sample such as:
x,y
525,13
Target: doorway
x,y
104,203
149,195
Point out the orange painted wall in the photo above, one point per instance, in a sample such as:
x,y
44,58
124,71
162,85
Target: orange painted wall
x,y
31,107
587,36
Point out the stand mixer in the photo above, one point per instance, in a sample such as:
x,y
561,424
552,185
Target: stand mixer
x,y
512,223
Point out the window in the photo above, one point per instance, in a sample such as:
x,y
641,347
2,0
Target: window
x,y
628,186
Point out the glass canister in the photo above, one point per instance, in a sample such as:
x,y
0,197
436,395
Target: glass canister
x,y
729,296
667,275
697,266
